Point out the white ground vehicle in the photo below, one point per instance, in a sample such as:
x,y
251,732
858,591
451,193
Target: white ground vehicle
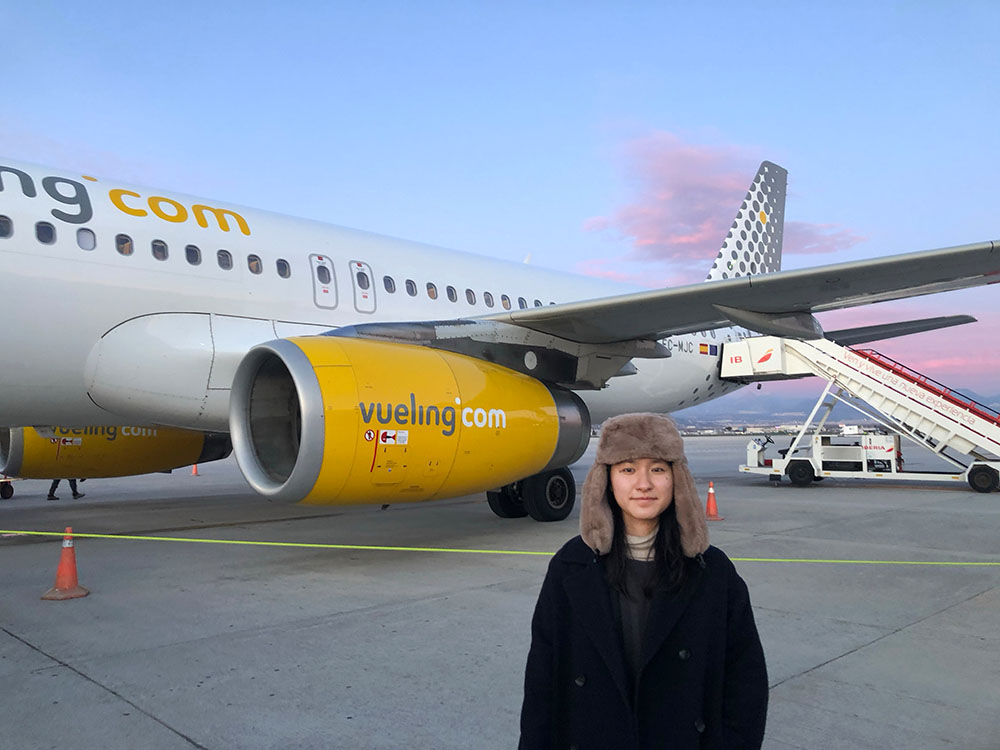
x,y
961,431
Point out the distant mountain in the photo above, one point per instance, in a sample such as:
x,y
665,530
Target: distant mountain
x,y
782,403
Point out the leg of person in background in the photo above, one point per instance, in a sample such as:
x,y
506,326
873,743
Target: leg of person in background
x,y
72,486
52,490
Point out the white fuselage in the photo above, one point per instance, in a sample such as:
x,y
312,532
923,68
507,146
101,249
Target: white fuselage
x,y
62,297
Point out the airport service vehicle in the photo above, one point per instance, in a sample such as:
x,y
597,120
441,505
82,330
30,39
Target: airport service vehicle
x,y
907,404
155,330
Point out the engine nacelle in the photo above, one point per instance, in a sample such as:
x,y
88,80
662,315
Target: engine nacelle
x,y
106,451
336,420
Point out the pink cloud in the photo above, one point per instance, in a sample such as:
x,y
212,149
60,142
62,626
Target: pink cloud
x,y
685,197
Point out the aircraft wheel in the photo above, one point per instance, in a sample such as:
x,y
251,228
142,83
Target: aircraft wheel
x,y
6,491
983,479
801,473
550,496
506,502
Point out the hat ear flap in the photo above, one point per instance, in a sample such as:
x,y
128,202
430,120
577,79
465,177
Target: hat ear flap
x,y
690,513
596,523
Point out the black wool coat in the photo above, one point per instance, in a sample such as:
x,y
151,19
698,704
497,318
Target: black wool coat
x,y
702,684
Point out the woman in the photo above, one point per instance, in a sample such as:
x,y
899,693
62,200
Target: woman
x,y
643,634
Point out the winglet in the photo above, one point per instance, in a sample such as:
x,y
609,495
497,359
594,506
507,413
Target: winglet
x,y
753,244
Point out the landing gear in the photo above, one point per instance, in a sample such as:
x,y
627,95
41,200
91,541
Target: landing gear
x,y
507,502
6,491
548,496
983,479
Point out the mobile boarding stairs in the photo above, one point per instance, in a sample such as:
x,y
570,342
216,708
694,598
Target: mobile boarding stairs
x,y
961,431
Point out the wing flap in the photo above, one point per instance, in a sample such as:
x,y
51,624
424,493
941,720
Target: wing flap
x,y
864,334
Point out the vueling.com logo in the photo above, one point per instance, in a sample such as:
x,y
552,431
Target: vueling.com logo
x,y
412,414
75,196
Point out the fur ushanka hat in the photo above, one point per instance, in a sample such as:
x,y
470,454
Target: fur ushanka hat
x,y
632,436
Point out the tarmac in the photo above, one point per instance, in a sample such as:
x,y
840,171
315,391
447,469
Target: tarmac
x,y
228,645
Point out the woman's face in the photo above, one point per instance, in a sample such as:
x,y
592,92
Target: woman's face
x,y
643,489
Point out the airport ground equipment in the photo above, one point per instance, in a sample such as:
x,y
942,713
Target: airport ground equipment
x,y
961,431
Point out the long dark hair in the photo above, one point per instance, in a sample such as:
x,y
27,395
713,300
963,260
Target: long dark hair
x,y
668,560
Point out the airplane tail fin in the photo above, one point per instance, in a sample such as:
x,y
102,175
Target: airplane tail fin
x,y
753,244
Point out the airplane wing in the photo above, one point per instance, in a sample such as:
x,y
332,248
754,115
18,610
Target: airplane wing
x,y
756,301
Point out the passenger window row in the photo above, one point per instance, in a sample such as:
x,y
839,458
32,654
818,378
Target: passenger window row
x,y
87,240
410,285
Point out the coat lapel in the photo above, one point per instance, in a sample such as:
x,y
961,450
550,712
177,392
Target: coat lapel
x,y
665,610
589,597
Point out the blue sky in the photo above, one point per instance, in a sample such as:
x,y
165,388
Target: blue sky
x,y
536,128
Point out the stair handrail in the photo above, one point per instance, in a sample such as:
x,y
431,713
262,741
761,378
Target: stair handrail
x,y
959,399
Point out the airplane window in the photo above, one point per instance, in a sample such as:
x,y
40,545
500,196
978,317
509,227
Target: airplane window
x,y
225,260
6,227
522,302
505,301
488,299
123,244
389,283
470,296
284,269
363,281
712,332
552,303
432,291
452,294
323,274
45,232
538,303
85,239
254,264
411,287
193,255
159,248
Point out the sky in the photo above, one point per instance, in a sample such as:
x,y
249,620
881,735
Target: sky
x,y
611,139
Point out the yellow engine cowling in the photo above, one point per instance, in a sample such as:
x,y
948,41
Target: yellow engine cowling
x,y
105,451
334,420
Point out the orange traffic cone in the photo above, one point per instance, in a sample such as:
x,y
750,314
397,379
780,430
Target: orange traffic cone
x,y
66,586
712,511
194,471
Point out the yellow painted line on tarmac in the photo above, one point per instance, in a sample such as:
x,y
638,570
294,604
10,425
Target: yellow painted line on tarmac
x,y
306,545
385,548
864,562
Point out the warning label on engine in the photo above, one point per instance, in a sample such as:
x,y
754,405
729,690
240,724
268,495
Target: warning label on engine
x,y
393,437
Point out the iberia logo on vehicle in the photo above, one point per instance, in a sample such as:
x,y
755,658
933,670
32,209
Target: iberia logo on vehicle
x,y
766,356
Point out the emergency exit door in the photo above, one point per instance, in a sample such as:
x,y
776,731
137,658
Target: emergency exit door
x,y
364,286
324,281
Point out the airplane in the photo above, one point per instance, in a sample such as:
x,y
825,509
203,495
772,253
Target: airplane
x,y
153,330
